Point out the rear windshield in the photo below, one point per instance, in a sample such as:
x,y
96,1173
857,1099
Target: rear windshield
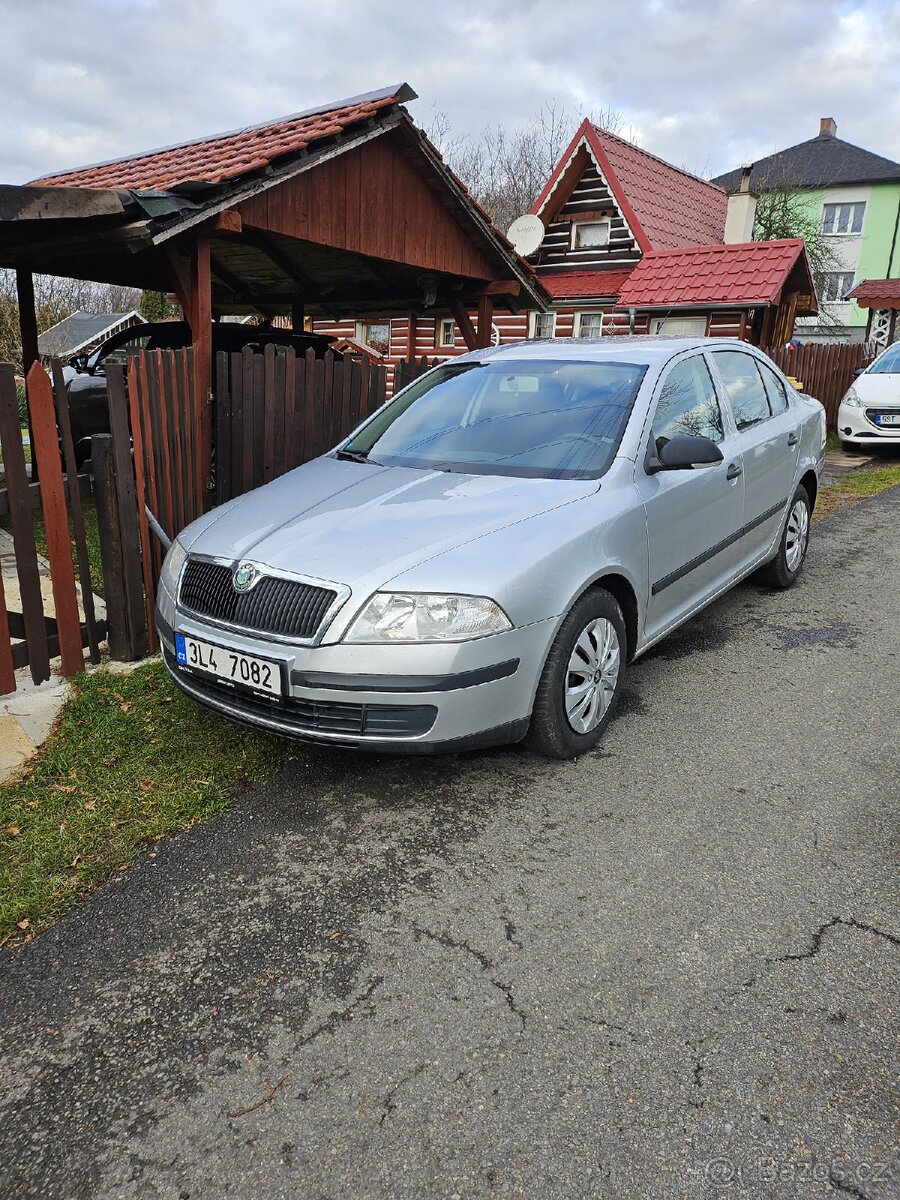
x,y
888,363
551,420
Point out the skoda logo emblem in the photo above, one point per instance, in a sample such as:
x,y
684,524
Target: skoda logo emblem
x,y
244,577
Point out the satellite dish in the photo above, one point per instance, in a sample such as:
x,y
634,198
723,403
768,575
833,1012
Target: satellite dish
x,y
526,234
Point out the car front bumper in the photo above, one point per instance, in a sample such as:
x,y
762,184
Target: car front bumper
x,y
854,426
407,699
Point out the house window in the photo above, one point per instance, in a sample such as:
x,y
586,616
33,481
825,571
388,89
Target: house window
x,y
376,334
543,325
843,218
447,332
836,286
679,326
587,235
589,325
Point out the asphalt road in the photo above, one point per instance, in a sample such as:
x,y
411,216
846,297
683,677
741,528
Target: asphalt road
x,y
665,970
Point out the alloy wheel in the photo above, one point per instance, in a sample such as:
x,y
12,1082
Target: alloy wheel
x,y
592,675
797,536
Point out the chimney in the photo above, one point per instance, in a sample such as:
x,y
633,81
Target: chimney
x,y
827,127
741,210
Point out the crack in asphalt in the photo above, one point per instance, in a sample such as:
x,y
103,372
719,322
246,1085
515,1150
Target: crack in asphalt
x,y
816,942
847,1188
487,965
344,1014
388,1103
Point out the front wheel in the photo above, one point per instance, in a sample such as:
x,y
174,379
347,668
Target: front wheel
x,y
582,679
784,568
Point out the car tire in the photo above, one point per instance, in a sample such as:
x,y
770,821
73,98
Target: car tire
x,y
783,570
582,679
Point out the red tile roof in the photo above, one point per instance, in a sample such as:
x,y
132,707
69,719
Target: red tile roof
x,y
673,207
665,207
876,293
562,284
229,155
744,274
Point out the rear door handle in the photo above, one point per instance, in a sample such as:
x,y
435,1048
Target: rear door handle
x,y
793,439
734,469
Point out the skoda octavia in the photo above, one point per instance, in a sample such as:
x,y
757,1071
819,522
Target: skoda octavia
x,y
481,559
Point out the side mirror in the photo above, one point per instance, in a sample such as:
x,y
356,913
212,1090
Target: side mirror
x,y
683,454
859,371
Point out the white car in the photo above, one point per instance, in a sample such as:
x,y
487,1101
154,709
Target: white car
x,y
870,412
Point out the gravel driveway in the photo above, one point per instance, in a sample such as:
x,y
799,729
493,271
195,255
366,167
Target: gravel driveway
x,y
665,970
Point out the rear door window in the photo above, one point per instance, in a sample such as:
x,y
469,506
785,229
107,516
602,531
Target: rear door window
x,y
778,401
749,401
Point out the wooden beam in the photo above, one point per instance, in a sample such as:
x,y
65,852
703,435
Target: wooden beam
x,y
411,338
463,321
485,316
200,321
228,221
27,318
180,279
502,287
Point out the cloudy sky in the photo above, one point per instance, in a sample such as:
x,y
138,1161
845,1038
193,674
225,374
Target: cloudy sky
x,y
707,84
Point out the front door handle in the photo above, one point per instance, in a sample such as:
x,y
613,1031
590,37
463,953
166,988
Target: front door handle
x,y
793,439
734,469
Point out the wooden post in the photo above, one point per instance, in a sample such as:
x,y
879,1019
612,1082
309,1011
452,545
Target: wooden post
x,y
411,337
298,313
126,497
200,321
29,334
108,527
485,316
56,520
464,324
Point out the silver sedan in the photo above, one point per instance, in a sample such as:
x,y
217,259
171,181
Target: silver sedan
x,y
480,560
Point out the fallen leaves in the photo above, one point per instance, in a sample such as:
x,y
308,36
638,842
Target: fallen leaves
x,y
12,830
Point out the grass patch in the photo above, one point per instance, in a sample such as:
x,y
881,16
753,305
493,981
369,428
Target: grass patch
x,y
857,485
91,537
833,442
130,760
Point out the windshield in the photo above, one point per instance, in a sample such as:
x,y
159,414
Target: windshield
x,y
552,420
888,363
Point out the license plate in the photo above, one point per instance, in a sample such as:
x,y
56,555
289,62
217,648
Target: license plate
x,y
241,670
887,418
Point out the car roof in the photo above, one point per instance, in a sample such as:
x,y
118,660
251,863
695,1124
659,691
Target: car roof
x,y
640,348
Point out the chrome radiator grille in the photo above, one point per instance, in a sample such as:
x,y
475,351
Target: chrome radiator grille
x,y
283,607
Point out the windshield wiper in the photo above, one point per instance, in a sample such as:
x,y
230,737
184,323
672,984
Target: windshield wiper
x,y
355,456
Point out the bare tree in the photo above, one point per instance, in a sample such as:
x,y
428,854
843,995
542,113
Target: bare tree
x,y
54,299
783,211
505,169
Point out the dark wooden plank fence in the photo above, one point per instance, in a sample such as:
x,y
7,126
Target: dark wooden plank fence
x,y
825,369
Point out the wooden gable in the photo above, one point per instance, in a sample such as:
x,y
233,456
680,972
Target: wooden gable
x,y
583,194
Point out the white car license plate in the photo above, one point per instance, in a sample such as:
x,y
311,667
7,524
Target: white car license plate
x,y
242,670
889,418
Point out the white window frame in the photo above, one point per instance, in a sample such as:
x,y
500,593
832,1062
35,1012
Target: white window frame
x,y
533,325
361,327
576,225
443,340
838,204
826,299
677,326
579,317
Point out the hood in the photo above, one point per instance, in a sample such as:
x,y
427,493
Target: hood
x,y
875,388
361,524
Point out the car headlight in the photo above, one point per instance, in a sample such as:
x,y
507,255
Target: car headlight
x,y
851,399
172,565
426,617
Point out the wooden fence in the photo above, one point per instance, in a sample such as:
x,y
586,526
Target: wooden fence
x,y
28,633
275,411
826,370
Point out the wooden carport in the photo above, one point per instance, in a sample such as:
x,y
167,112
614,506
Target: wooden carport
x,y
341,210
